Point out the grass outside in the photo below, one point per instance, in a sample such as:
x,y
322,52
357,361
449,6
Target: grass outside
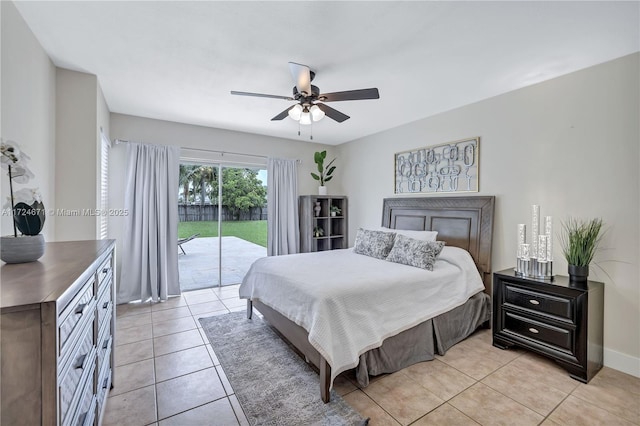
x,y
254,231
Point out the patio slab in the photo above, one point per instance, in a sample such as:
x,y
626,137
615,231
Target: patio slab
x,y
199,266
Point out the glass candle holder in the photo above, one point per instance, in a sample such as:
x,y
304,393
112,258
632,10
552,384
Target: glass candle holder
x,y
542,248
535,228
548,230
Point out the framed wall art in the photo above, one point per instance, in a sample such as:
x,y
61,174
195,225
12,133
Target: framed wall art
x,y
447,168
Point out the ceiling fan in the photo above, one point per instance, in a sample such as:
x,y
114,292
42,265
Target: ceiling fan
x,y
310,106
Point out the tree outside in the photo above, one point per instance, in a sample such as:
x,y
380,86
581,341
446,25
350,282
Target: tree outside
x,y
242,190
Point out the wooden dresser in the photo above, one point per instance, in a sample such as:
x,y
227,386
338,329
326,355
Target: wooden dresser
x,y
58,324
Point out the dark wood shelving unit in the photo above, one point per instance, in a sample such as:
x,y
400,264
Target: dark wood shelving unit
x,y
334,228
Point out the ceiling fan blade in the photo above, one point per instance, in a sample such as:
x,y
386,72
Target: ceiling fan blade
x,y
283,114
302,76
350,95
333,113
262,95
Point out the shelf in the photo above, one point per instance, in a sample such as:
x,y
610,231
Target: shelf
x,y
334,227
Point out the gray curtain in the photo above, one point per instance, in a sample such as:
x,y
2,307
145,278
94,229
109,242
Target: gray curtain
x,y
150,249
282,207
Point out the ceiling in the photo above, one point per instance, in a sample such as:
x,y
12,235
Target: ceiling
x,y
178,61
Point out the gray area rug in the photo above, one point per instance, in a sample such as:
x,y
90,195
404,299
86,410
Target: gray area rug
x,y
273,384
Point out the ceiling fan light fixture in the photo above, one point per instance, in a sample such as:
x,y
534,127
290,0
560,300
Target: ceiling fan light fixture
x,y
305,117
295,112
316,113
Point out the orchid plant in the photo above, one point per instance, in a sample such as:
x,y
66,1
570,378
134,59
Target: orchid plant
x,y
27,209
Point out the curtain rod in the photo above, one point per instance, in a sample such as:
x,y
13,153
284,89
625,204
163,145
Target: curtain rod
x,y
117,141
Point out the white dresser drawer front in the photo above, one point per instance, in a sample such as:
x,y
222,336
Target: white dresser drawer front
x,y
79,308
105,272
86,411
104,384
80,366
105,344
105,305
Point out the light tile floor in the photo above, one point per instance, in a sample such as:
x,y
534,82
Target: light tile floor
x,y
167,374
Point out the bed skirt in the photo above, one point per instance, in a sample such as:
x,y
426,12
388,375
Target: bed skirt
x,y
422,342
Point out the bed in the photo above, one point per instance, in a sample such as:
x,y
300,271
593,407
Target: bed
x,y
386,320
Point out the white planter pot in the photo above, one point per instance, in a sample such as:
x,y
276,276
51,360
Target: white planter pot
x,y
23,249
322,190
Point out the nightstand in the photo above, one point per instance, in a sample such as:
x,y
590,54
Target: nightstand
x,y
552,318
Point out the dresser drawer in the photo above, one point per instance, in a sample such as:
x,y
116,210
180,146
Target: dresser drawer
x,y
105,345
105,305
86,411
73,315
544,333
105,272
104,383
80,366
540,302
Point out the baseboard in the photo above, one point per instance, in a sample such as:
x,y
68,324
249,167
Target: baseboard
x,y
622,362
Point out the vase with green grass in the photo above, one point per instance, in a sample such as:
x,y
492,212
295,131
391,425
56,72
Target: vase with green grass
x,y
580,240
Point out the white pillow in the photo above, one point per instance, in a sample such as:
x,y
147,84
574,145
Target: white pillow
x,y
416,235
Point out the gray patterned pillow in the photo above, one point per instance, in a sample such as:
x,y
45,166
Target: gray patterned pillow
x,y
409,251
373,243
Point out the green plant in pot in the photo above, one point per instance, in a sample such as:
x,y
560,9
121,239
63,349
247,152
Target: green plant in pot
x,y
324,173
579,240
27,209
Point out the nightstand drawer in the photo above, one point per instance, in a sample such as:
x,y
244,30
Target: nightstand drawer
x,y
539,302
544,333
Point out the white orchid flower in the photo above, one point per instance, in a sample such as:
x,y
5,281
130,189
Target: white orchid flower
x,y
20,173
24,195
12,154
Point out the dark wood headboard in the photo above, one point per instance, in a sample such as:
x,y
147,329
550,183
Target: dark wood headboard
x,y
465,222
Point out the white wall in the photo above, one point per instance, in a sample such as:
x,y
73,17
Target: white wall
x,y
76,154
570,144
28,109
145,130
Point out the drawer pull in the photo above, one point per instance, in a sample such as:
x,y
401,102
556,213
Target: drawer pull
x,y
105,383
105,270
106,343
80,361
533,330
81,308
106,305
534,302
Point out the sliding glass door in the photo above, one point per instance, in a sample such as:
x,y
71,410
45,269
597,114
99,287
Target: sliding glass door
x,y
223,228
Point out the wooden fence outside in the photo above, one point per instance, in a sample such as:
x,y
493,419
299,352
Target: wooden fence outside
x,y
209,212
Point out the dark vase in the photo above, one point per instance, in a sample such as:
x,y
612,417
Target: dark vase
x,y
578,274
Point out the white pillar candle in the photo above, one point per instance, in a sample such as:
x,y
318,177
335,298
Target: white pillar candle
x,y
542,248
535,226
548,230
522,232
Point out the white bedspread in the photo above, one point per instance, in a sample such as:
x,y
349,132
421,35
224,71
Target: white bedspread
x,y
349,303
